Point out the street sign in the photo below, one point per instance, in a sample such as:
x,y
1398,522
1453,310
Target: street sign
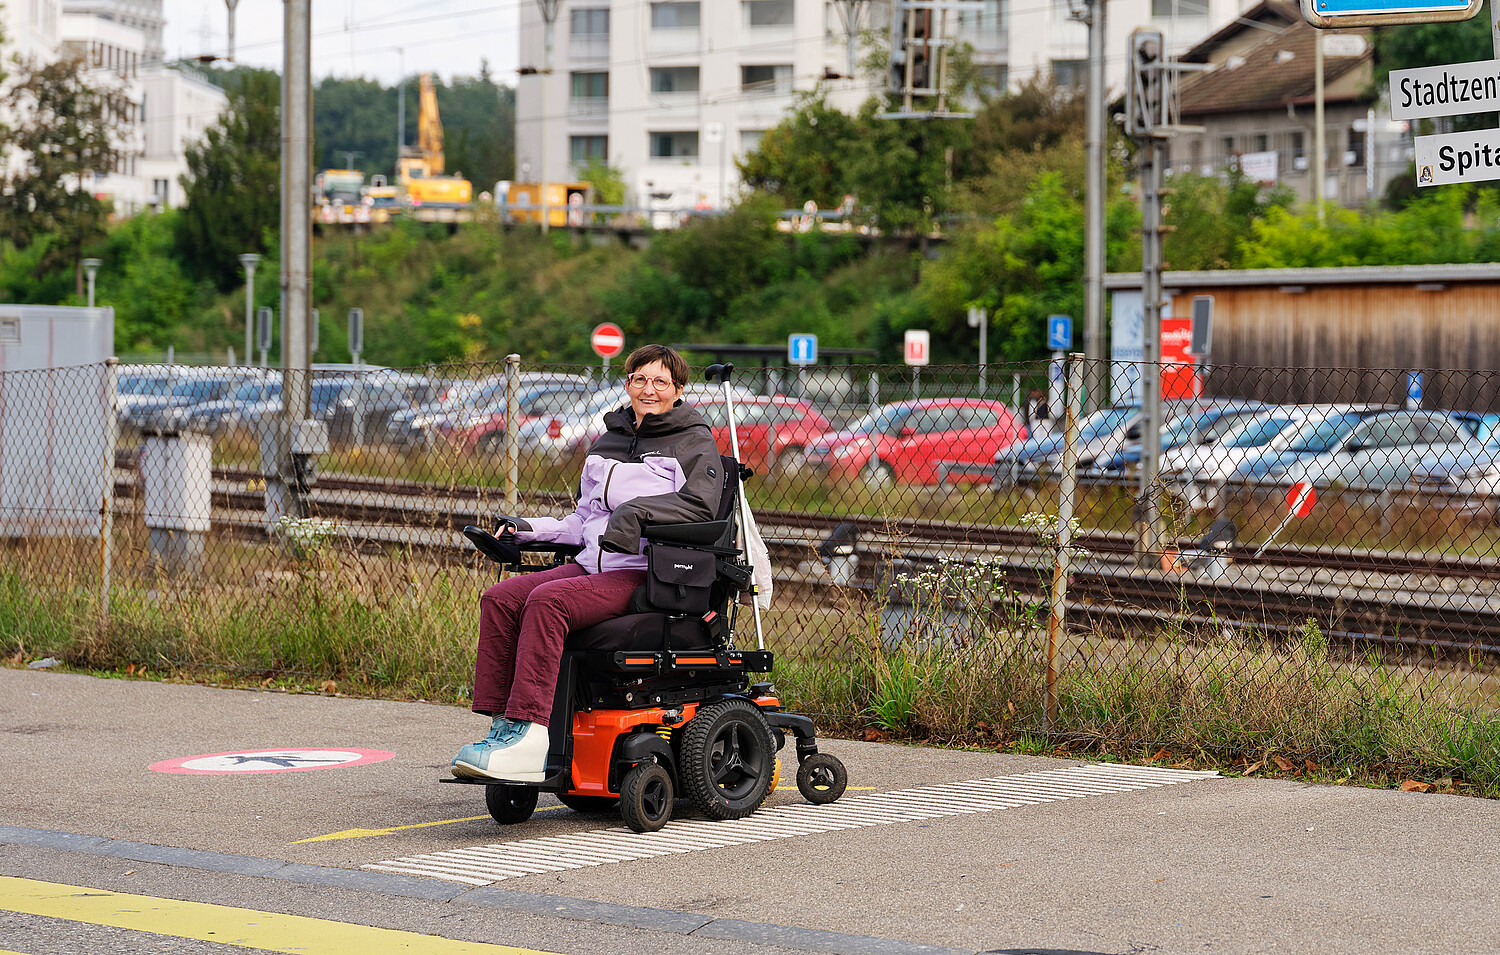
x,y
608,340
918,346
1059,332
1458,157
1300,498
1326,14
1452,90
802,349
356,330
1203,326
263,328
1414,390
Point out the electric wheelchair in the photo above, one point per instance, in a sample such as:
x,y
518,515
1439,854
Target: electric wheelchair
x,y
669,709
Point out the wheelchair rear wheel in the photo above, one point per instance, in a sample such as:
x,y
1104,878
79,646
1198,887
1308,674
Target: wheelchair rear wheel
x,y
510,804
728,759
646,796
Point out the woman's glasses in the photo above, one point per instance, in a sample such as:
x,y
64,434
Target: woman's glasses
x,y
655,384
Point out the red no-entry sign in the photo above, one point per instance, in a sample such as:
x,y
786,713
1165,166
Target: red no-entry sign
x,y
1300,498
608,340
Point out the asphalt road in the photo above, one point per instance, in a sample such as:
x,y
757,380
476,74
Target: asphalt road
x,y
1216,864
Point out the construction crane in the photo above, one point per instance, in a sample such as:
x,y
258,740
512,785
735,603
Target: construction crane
x,y
428,193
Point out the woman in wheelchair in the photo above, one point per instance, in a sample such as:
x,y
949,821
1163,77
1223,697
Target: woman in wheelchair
x,y
656,463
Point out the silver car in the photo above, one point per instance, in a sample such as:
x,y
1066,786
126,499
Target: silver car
x,y
1467,478
1376,452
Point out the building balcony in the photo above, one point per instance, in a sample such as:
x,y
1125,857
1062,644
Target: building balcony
x,y
588,46
588,107
673,41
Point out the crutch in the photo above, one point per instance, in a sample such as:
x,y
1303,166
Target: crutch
x,y
722,373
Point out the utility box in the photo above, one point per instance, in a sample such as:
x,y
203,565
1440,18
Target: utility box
x,y
56,419
175,479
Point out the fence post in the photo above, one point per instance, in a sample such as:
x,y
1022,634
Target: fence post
x,y
107,501
512,422
1067,489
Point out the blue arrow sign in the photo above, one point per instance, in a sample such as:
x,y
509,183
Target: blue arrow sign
x,y
802,349
1355,13
1059,332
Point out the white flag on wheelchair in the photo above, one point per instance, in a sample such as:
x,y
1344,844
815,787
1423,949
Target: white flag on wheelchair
x,y
760,560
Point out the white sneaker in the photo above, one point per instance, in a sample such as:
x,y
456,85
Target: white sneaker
x,y
518,754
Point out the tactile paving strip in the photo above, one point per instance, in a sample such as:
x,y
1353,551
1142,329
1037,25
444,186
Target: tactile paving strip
x,y
483,865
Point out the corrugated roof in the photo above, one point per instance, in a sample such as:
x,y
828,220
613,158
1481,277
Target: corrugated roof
x,y
1272,74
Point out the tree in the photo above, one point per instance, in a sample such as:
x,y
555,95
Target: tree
x,y
65,130
805,156
233,184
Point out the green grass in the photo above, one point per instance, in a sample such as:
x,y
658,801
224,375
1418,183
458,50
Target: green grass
x,y
399,625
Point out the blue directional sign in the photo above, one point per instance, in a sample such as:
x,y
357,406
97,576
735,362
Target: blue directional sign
x,y
802,349
1059,332
1414,389
1327,14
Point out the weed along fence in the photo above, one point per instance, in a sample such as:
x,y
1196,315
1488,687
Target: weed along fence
x,y
952,560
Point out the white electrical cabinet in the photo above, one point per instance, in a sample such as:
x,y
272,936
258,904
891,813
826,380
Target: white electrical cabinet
x,y
56,419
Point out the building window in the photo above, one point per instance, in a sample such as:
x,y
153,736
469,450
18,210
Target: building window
x,y
583,150
160,189
766,79
590,85
1355,154
1226,145
1262,143
769,13
1297,150
750,139
674,79
1070,72
674,145
589,22
674,16
994,79
989,21
1179,9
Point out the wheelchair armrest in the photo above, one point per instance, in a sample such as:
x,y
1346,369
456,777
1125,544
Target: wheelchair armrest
x,y
701,534
550,547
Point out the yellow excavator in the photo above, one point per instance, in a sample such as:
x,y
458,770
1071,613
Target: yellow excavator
x,y
428,194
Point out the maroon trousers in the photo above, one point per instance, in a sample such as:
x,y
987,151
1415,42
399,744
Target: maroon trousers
x,y
523,622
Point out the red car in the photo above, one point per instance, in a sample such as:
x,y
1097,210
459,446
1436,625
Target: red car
x,y
481,429
904,441
773,432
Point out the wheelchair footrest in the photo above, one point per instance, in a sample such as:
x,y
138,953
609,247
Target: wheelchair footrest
x,y
558,782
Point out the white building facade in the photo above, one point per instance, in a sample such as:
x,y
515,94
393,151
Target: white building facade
x,y
121,41
670,92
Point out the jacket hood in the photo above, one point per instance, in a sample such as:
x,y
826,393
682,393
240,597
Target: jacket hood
x,y
681,415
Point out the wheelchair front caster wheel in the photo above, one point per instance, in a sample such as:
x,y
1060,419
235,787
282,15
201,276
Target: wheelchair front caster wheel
x,y
646,797
821,778
510,804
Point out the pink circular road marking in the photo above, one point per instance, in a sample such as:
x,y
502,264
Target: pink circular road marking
x,y
255,761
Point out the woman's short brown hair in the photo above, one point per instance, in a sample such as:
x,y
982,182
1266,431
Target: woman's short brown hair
x,y
673,362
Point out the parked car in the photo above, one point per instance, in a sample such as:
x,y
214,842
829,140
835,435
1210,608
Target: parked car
x,y
574,429
412,428
1191,426
1484,426
1468,477
1361,450
772,432
168,411
481,428
242,409
905,441
1103,433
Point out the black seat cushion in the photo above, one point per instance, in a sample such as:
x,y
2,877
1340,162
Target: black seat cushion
x,y
641,631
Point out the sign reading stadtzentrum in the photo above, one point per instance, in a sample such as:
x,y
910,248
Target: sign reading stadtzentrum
x,y
1458,157
1451,90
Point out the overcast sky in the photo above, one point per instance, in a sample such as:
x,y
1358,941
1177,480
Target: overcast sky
x,y
353,38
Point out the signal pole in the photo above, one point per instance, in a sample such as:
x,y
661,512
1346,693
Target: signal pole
x,y
1095,380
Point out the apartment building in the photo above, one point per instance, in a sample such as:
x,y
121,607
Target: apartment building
x,y
672,91
122,43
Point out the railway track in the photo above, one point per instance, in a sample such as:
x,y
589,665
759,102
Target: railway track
x,y
1393,598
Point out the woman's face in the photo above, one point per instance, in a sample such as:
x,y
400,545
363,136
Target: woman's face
x,y
652,390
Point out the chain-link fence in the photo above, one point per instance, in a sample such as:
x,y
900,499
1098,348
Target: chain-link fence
x,y
1311,556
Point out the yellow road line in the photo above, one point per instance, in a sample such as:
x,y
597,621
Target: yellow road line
x,y
227,925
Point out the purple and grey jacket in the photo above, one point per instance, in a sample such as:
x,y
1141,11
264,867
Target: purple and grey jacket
x,y
666,472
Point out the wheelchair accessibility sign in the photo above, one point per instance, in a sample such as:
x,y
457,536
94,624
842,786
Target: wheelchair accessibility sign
x,y
269,761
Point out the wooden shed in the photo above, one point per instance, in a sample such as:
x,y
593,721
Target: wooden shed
x,y
1348,334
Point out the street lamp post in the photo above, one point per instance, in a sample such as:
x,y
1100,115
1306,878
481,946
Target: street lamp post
x,y
91,268
249,260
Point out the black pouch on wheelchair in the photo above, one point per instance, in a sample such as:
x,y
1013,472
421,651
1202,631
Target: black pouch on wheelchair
x,y
678,579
